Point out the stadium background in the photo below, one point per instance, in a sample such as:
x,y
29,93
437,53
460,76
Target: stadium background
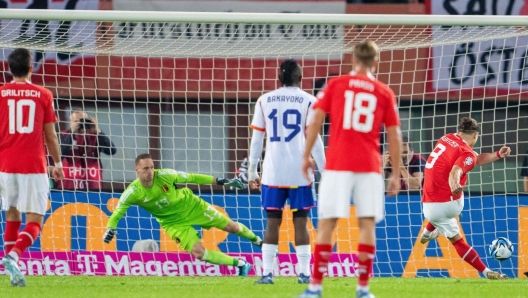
x,y
143,97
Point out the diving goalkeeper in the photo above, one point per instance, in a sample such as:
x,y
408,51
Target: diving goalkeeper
x,y
177,210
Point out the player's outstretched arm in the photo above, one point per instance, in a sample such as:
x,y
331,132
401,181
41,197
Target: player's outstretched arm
x,y
486,158
127,199
236,183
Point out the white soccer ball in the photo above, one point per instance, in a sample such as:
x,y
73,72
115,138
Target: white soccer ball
x,y
501,249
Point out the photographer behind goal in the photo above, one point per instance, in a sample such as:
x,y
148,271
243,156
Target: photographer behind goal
x,y
80,147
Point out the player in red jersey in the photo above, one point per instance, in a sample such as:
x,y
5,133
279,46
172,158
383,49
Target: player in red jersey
x,y
27,121
358,106
445,177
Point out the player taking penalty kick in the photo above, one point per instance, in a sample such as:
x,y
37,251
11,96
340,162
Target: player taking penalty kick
x,y
177,210
358,106
445,177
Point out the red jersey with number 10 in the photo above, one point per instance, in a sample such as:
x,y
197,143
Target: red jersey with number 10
x,y
450,150
357,105
24,109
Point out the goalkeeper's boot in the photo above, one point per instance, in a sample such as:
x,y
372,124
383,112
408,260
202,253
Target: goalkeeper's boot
x,y
434,234
244,269
258,242
364,294
496,275
265,280
17,279
311,294
303,279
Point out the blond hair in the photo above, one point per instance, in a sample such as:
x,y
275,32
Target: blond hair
x,y
366,52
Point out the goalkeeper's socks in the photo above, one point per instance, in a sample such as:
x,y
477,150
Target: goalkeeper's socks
x,y
240,262
322,255
26,238
468,254
246,233
365,259
303,257
219,258
269,258
11,234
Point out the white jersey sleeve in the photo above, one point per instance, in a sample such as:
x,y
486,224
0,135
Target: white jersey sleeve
x,y
259,122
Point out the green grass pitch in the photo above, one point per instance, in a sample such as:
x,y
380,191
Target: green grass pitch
x,y
232,287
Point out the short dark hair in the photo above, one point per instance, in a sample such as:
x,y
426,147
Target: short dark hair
x,y
290,73
19,62
468,125
142,156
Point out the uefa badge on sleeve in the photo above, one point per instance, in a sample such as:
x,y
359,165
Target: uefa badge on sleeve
x,y
468,161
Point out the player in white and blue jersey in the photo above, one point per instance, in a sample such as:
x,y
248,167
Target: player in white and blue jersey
x,y
283,116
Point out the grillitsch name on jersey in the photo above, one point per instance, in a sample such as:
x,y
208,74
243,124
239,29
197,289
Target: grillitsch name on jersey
x,y
21,92
285,98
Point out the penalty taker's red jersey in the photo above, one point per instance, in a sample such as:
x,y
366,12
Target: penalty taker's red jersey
x,y
24,109
358,106
450,150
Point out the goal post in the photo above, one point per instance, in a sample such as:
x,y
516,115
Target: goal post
x,y
183,86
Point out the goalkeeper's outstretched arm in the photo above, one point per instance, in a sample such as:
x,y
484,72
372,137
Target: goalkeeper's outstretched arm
x,y
127,199
201,179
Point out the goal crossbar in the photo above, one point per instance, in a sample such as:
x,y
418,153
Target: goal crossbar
x,y
262,18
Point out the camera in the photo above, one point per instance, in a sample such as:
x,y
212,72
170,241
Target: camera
x,y
85,124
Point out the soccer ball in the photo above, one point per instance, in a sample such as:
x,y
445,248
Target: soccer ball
x,y
501,249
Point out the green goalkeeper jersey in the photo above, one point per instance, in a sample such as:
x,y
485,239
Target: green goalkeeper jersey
x,y
163,200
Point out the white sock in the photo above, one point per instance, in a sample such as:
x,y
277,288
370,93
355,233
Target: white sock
x,y
14,255
241,263
315,288
362,288
269,257
485,272
303,258
426,233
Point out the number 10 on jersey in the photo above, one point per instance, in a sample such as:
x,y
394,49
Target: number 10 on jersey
x,y
16,113
359,111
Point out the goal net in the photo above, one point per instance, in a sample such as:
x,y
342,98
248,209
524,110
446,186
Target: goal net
x,y
182,86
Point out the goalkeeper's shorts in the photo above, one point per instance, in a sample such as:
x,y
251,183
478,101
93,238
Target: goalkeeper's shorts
x,y
203,215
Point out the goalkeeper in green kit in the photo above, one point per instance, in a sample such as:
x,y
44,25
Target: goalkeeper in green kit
x,y
177,210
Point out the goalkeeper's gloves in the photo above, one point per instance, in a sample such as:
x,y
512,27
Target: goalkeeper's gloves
x,y
109,235
230,182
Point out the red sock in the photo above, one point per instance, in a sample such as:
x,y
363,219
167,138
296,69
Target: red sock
x,y
11,234
365,259
468,254
322,255
25,238
430,227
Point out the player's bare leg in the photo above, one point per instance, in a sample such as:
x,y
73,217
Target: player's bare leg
x,y
219,258
468,254
322,254
270,245
429,233
302,245
366,254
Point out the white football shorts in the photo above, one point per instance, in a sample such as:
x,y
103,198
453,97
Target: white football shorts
x,y
26,192
340,188
443,216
